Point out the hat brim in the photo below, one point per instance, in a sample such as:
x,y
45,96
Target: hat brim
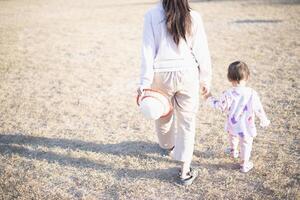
x,y
155,93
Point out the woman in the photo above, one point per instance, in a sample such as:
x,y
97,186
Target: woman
x,y
175,57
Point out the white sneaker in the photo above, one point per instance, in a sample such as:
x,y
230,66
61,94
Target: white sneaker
x,y
246,167
235,154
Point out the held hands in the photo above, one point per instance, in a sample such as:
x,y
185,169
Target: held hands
x,y
205,92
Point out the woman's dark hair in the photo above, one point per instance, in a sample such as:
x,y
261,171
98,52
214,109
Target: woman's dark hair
x,y
178,18
238,71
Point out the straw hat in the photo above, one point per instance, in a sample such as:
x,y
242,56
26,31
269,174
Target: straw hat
x,y
154,104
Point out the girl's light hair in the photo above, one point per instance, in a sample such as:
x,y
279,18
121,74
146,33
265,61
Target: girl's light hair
x,y
238,71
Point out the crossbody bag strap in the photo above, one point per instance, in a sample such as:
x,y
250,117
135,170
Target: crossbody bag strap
x,y
192,52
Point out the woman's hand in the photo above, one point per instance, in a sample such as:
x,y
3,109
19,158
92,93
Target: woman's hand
x,y
207,96
205,90
140,91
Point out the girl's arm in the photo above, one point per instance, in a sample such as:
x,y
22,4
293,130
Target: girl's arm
x,y
220,104
259,111
148,54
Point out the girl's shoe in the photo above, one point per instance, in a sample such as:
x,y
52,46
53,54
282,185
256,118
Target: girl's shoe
x,y
246,167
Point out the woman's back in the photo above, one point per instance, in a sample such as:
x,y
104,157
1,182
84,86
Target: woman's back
x,y
165,47
160,53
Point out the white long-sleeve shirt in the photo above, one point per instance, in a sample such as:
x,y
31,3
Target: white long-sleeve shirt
x,y
161,54
241,104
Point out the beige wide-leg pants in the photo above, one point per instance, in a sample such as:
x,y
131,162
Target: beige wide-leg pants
x,y
178,129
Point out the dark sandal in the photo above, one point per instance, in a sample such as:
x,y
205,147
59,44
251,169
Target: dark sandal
x,y
192,175
179,172
167,152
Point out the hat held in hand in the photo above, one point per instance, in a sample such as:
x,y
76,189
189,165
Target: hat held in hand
x,y
154,104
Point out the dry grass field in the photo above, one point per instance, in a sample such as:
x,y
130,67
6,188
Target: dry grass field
x,y
69,125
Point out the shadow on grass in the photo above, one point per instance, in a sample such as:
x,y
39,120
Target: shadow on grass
x,y
212,168
13,144
283,2
125,148
256,21
207,154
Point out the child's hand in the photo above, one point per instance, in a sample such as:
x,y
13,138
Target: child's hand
x,y
206,96
265,123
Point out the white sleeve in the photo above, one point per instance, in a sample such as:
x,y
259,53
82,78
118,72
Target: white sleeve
x,y
148,54
201,51
259,111
221,104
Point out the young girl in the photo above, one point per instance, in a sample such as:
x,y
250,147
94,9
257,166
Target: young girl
x,y
241,104
171,29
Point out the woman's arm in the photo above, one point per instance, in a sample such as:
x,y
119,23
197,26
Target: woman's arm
x,y
148,54
201,51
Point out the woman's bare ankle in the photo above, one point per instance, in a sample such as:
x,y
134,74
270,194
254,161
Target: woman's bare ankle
x,y
185,169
